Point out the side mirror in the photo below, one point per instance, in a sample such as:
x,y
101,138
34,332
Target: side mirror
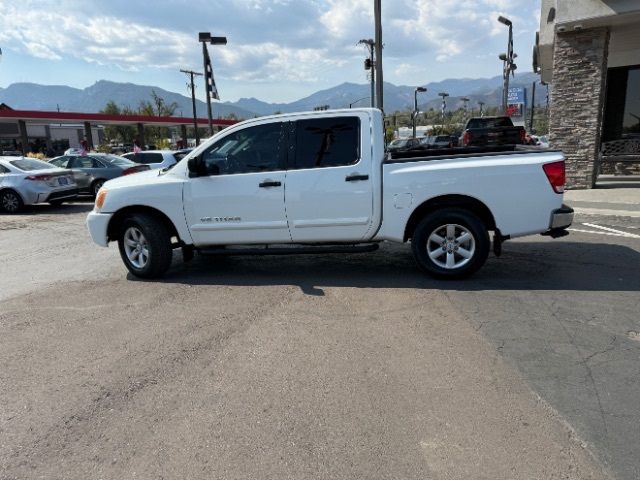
x,y
198,168
195,165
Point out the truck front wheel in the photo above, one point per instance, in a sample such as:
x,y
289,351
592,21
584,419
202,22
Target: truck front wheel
x,y
145,246
451,243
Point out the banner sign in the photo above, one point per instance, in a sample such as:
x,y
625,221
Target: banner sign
x,y
517,105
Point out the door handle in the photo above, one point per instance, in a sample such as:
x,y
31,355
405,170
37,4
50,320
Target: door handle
x,y
270,184
356,178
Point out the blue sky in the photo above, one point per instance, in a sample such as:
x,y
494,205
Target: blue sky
x,y
278,50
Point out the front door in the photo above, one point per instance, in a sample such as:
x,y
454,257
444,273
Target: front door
x,y
329,192
244,202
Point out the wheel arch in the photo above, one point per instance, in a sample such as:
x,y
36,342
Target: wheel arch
x,y
4,189
116,221
449,201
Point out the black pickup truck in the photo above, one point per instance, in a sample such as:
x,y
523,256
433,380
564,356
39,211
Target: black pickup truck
x,y
492,131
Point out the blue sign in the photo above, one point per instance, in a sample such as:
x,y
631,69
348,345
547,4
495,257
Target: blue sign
x,y
516,95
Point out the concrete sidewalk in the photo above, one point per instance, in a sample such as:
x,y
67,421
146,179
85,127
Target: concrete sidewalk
x,y
610,201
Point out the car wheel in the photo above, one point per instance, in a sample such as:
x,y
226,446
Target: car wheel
x,y
96,186
145,246
450,244
10,201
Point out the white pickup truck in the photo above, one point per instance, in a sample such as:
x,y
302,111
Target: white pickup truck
x,y
321,182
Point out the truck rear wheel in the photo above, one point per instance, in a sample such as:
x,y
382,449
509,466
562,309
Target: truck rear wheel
x,y
145,246
450,243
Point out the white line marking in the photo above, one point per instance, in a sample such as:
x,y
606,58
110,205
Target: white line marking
x,y
596,233
612,230
605,211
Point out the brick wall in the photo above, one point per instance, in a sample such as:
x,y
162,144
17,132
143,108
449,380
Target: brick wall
x,y
577,100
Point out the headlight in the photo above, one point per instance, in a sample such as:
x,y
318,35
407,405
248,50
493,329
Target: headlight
x,y
100,198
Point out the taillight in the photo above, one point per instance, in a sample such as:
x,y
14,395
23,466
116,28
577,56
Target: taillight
x,y
39,178
466,138
523,135
556,174
131,170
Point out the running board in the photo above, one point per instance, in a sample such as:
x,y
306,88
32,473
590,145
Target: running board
x,y
293,250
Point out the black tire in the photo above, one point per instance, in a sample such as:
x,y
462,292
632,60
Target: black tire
x,y
95,186
461,222
10,201
158,246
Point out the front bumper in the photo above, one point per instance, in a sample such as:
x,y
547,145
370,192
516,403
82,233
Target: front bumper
x,y
97,224
561,219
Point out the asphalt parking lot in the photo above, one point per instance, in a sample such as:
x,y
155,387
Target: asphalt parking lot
x,y
351,366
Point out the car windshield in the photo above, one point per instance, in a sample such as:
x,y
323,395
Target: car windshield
x,y
30,164
116,160
398,143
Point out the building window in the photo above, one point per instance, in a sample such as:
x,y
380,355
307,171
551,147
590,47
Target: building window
x,y
622,108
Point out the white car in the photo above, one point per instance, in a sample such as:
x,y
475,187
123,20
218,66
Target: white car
x,y
156,159
25,181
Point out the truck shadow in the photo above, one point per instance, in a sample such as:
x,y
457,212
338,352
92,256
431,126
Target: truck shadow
x,y
549,265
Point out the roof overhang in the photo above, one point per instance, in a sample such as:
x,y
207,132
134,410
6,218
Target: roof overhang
x,y
104,119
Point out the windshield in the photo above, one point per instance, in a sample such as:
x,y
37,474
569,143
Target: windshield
x,y
30,164
116,160
398,143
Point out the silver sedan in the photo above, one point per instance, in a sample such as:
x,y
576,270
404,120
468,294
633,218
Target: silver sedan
x,y
92,170
25,181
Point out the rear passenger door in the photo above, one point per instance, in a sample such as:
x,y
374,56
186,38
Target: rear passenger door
x,y
329,187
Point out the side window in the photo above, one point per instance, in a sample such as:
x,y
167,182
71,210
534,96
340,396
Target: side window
x,y
80,162
129,156
250,150
3,169
95,163
148,158
60,162
327,142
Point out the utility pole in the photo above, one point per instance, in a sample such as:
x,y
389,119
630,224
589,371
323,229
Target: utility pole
x,y
192,87
444,96
415,107
369,64
377,13
533,105
481,108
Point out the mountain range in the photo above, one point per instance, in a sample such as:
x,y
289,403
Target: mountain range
x,y
31,96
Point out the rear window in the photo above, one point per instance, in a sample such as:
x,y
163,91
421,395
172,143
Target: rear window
x,y
490,122
116,160
327,142
30,164
146,158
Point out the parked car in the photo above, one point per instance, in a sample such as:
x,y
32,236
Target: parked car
x,y
492,131
26,181
154,158
321,183
180,154
436,141
403,144
91,171
11,153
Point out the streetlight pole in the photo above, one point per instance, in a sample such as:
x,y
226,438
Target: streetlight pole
x,y
377,13
465,100
444,96
212,91
415,107
192,87
369,64
481,110
507,63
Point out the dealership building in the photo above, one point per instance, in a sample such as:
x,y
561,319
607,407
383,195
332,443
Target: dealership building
x,y
589,51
